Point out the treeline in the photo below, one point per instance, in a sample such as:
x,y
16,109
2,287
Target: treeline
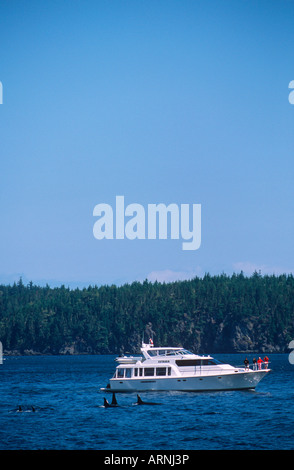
x,y
207,315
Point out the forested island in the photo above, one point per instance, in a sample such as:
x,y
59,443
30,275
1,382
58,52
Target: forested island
x,y
212,314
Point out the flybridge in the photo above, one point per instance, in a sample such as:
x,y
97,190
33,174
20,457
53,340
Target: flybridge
x,y
158,221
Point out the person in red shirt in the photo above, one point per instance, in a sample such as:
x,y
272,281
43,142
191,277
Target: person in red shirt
x,y
259,362
266,359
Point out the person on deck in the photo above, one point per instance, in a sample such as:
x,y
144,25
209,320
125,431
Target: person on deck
x,y
246,362
265,360
259,362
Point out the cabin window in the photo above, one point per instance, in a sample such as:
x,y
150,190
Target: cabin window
x,y
169,371
161,371
141,372
149,371
120,373
209,362
188,362
171,352
152,352
136,372
128,373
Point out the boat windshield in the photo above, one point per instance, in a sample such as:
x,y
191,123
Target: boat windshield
x,y
168,352
184,352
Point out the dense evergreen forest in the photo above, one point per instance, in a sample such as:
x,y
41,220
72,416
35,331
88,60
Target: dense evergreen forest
x,y
207,315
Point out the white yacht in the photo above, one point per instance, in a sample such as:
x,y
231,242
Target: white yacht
x,y
172,368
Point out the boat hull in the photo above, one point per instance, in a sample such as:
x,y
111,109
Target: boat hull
x,y
230,381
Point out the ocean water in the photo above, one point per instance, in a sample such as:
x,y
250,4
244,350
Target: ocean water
x,y
62,409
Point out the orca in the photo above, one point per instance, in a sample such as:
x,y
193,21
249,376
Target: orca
x,y
106,404
26,409
141,402
113,404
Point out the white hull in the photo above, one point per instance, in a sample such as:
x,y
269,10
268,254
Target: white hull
x,y
177,369
228,381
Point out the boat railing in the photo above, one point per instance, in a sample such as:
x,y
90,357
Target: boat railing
x,y
258,366
254,367
216,369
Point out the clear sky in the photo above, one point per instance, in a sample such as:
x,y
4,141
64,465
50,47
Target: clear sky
x,y
161,101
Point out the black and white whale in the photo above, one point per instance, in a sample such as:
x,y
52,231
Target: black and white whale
x,y
20,408
141,402
112,404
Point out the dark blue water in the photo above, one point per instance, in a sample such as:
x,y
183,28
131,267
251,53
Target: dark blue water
x,y
69,415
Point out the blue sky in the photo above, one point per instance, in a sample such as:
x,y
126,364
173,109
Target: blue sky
x,y
162,102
